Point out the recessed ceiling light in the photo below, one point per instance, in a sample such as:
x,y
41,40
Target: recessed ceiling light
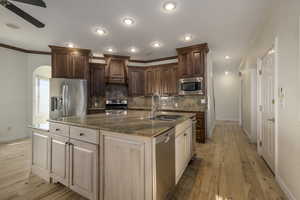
x,y
101,31
156,44
110,50
187,38
227,57
133,50
128,21
70,45
226,73
169,6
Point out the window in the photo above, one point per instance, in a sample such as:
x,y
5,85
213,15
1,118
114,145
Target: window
x,y
42,99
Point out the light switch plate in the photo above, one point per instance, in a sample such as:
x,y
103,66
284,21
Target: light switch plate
x,y
203,101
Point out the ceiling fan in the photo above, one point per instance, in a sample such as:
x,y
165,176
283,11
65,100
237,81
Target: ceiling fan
x,y
10,6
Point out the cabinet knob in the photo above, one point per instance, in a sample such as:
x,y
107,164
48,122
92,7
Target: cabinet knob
x,y
57,129
185,134
81,134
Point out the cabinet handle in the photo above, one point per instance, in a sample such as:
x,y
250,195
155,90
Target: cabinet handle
x,y
57,129
185,134
81,134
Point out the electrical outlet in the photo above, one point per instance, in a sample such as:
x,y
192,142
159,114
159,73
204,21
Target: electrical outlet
x,y
203,101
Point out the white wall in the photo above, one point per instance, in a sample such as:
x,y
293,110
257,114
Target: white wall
x,y
211,116
34,61
249,101
16,80
14,95
284,23
227,93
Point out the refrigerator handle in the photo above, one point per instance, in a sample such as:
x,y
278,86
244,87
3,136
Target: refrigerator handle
x,y
67,100
64,100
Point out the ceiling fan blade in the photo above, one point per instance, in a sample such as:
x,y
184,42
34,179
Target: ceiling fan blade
x,y
40,3
24,15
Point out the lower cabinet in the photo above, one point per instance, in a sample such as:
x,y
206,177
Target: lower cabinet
x,y
59,168
40,162
83,168
127,167
183,151
74,162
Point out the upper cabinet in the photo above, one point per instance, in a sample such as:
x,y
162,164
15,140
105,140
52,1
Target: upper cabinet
x,y
116,69
161,79
136,80
70,62
192,60
97,80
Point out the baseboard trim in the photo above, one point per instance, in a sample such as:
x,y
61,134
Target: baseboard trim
x,y
285,189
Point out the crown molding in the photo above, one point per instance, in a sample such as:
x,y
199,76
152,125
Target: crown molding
x,y
93,57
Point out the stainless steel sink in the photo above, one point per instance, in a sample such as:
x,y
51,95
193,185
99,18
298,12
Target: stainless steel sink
x,y
166,117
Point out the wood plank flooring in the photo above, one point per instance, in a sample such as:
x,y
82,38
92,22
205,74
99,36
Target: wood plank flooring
x,y
226,168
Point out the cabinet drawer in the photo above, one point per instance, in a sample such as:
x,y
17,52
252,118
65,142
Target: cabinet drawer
x,y
182,127
59,129
84,134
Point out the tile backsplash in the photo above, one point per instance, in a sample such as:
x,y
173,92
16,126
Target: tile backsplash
x,y
170,102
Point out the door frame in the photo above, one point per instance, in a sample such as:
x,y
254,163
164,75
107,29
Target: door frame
x,y
259,114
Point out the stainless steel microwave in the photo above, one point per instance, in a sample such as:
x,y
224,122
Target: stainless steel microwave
x,y
191,86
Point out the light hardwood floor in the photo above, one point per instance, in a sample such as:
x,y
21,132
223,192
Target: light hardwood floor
x,y
227,168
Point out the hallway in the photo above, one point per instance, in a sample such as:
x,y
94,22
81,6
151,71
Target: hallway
x,y
229,169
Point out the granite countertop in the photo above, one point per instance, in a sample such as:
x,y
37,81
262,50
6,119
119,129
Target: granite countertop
x,y
132,122
183,109
96,108
40,126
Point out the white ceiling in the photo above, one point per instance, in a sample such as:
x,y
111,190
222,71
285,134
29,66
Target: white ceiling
x,y
228,26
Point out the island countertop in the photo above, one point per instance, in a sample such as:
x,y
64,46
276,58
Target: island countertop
x,y
129,122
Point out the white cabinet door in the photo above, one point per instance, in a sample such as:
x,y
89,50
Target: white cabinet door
x,y
59,167
40,154
84,168
188,146
124,169
180,155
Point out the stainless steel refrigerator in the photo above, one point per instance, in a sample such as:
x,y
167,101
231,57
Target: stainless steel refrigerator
x,y
68,97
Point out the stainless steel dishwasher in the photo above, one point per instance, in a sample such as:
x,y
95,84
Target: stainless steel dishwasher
x,y
165,165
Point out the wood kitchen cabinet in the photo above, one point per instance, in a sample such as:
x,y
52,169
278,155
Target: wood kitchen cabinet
x,y
149,81
59,167
136,81
40,154
74,158
84,168
116,69
161,79
183,151
192,60
97,80
70,62
126,169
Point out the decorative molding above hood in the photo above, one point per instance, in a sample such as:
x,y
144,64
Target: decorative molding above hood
x,y
116,69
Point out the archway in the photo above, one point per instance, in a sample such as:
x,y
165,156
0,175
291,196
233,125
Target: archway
x,y
41,89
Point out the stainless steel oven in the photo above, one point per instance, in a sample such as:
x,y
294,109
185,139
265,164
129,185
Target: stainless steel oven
x,y
191,86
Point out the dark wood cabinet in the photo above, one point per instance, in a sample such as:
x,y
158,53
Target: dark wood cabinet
x,y
136,81
97,80
116,69
149,81
192,60
161,79
70,62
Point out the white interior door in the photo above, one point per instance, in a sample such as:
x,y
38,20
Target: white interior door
x,y
268,109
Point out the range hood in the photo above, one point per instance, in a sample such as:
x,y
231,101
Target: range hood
x,y
116,70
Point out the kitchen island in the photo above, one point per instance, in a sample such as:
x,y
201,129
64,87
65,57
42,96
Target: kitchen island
x,y
120,155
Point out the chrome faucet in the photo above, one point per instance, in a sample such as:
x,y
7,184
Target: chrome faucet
x,y
155,105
